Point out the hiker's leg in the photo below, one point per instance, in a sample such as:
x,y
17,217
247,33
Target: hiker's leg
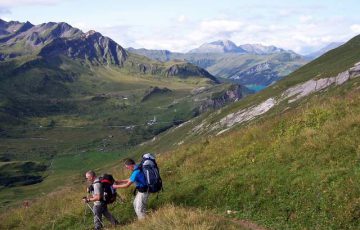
x,y
135,201
140,203
98,210
110,217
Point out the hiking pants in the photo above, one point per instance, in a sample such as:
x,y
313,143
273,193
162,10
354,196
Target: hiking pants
x,y
99,210
140,202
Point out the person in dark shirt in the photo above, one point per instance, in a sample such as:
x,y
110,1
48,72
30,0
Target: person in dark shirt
x,y
100,207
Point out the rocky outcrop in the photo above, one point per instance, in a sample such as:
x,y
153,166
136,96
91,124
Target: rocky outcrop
x,y
248,113
91,46
222,98
185,70
289,96
311,86
146,68
154,91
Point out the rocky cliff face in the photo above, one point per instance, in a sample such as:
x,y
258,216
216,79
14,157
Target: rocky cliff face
x,y
91,46
220,99
39,35
185,70
290,95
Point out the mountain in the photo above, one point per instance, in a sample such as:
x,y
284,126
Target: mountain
x,y
52,40
285,156
292,146
221,46
63,91
18,39
159,55
260,49
323,50
255,66
91,46
227,46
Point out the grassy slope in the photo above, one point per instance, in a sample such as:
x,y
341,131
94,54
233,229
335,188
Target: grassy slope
x,y
295,169
75,123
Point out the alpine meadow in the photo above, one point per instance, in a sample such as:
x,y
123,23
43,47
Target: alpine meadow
x,y
186,115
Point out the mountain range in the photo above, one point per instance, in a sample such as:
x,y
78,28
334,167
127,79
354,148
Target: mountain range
x,y
56,79
323,50
227,46
287,157
60,39
253,65
291,151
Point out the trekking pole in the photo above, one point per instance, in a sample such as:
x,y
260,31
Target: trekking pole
x,y
95,214
84,219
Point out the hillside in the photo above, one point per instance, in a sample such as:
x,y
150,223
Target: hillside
x,y
82,94
285,158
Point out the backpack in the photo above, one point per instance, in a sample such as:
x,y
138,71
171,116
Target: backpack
x,y
110,194
149,168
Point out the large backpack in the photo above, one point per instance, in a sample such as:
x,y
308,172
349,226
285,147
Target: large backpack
x,y
107,182
151,172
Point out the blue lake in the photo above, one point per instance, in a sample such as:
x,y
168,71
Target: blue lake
x,y
255,87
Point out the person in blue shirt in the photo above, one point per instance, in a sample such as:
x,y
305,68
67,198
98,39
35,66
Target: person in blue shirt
x,y
137,178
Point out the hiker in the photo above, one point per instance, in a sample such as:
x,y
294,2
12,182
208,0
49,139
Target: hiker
x,y
142,194
151,183
97,196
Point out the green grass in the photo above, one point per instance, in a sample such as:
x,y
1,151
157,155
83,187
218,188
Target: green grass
x,y
295,170
62,171
76,109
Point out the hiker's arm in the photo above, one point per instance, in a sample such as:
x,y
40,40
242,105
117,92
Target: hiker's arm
x,y
121,181
125,184
95,197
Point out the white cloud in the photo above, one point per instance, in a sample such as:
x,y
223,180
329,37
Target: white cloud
x,y
220,25
182,19
355,28
302,33
305,18
210,30
4,10
302,37
166,43
12,3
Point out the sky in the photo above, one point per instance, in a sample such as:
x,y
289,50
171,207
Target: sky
x,y
302,26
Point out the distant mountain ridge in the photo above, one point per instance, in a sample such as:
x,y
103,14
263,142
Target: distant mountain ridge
x,y
249,64
227,46
323,50
220,46
51,40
